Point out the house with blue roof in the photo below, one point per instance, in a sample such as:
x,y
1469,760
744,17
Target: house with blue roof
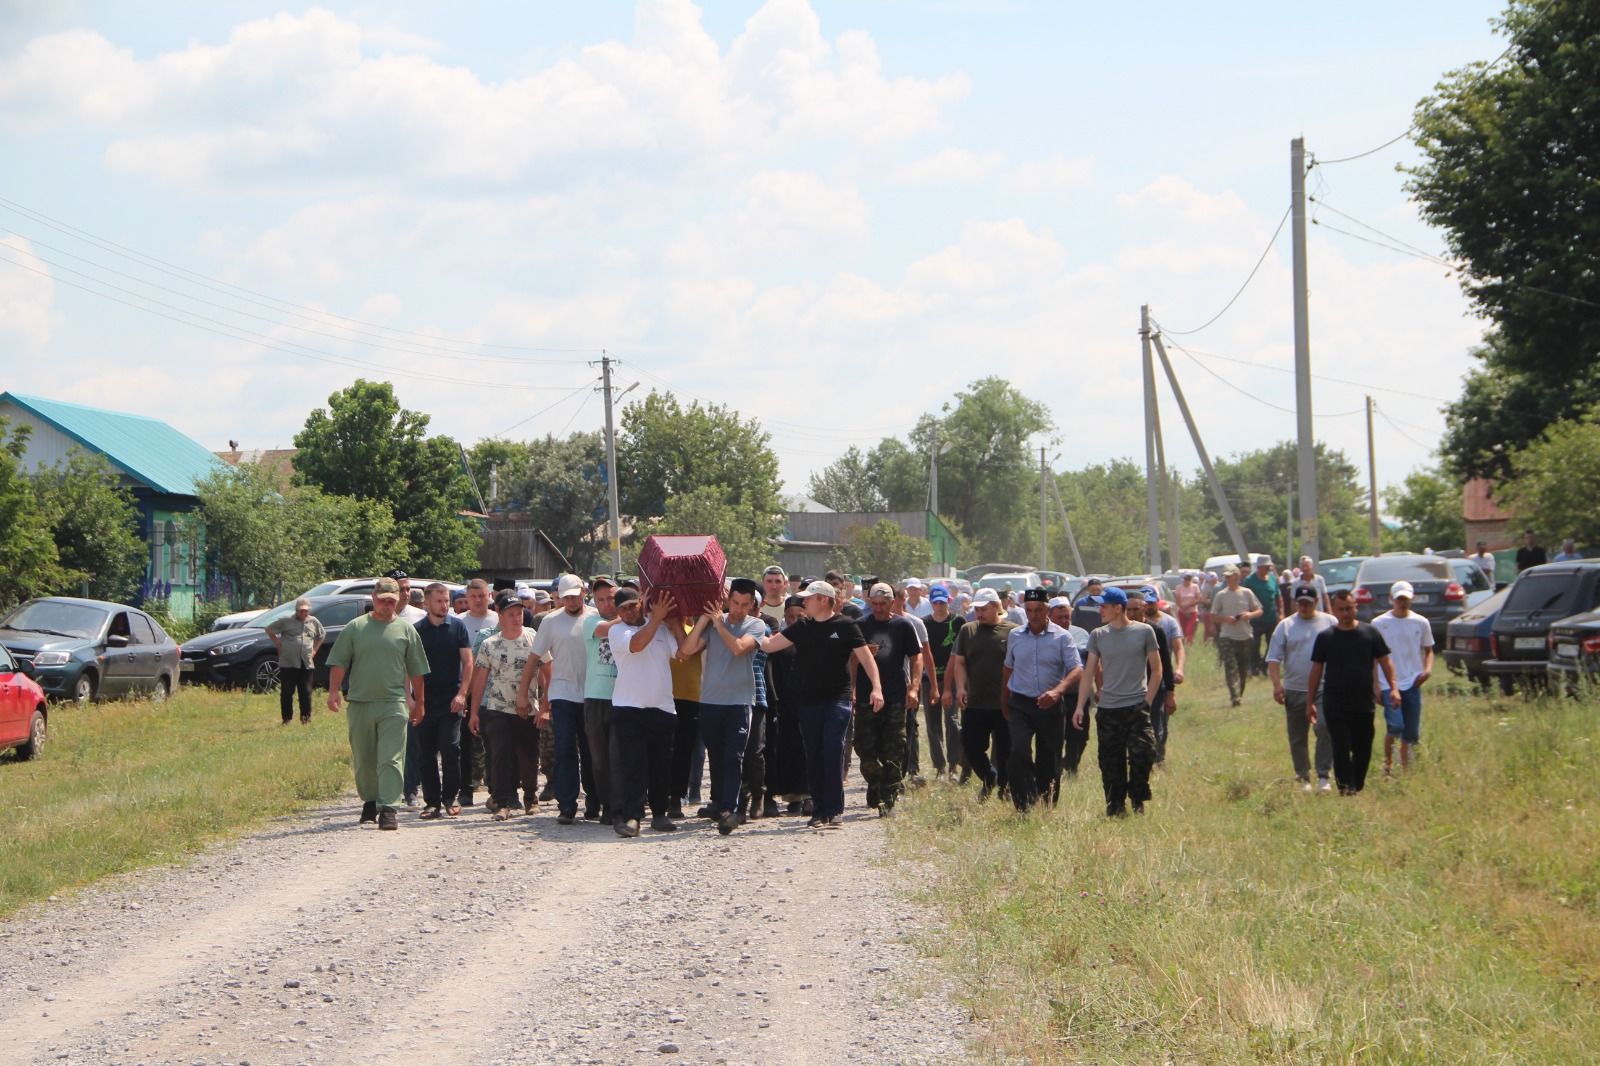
x,y
159,466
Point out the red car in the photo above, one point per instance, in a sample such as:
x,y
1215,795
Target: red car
x,y
23,711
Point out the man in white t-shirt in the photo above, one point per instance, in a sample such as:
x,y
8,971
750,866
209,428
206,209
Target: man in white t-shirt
x,y
1485,561
916,599
560,643
643,716
1410,640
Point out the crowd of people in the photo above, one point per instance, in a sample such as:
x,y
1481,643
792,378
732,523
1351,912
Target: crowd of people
x,y
623,702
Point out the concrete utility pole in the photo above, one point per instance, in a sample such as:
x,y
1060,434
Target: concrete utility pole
x,y
1044,528
1152,488
1072,541
1168,490
1309,540
615,519
1374,531
1228,521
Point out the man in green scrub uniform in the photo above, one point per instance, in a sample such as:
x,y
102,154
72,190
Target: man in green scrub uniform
x,y
383,656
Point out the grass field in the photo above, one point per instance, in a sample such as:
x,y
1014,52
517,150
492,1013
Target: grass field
x,y
1450,915
124,785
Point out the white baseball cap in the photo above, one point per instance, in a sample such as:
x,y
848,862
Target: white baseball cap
x,y
915,583
569,585
1402,588
983,596
821,588
1058,601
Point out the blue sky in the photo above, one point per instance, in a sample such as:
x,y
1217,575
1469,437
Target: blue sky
x,y
831,216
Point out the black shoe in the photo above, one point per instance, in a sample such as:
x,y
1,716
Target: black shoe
x,y
387,819
369,813
627,828
834,822
465,800
662,825
872,795
807,807
795,808
592,814
548,795
886,810
566,818
1116,810
815,822
727,823
306,720
1138,806
411,799
707,811
769,809
675,811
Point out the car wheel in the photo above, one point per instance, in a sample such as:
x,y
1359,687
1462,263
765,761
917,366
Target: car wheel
x,y
1508,686
264,675
162,690
84,690
35,742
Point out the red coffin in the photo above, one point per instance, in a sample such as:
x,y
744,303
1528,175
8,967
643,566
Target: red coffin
x,y
689,567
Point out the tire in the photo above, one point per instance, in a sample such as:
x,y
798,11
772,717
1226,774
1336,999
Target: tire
x,y
162,690
85,688
36,737
1508,685
264,674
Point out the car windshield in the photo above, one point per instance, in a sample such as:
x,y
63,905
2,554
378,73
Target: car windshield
x,y
1488,607
327,588
56,618
1535,593
1339,571
1406,568
265,619
1008,581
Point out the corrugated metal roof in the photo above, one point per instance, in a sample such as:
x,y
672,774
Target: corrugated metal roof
x,y
147,448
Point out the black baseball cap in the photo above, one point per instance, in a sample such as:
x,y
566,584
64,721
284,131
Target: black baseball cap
x,y
626,596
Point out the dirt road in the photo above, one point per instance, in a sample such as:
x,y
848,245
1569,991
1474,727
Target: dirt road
x,y
475,942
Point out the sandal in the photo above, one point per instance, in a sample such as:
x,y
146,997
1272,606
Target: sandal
x,y
453,810
429,813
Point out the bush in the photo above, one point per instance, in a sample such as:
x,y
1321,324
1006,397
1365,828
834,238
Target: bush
x,y
179,629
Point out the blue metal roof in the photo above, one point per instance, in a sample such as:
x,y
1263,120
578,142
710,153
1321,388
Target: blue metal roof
x,y
148,449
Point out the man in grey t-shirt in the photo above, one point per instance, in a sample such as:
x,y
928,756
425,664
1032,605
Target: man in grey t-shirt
x,y
727,689
1124,666
1289,667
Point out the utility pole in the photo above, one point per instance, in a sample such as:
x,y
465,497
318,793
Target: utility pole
x,y
1174,530
1228,521
1373,529
1309,540
1152,488
615,520
1044,528
1174,538
1072,541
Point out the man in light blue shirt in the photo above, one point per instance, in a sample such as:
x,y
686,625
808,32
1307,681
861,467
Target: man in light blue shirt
x,y
1289,667
1041,665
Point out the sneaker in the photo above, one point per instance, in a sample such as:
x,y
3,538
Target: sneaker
x,y
1138,806
592,814
834,822
662,825
1115,810
565,818
1305,786
916,781
1324,785
872,795
885,810
814,823
1236,701
490,805
707,811
411,800
505,814
628,828
387,819
807,807
369,813
727,823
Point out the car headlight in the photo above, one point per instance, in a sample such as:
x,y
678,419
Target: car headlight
x,y
230,649
52,658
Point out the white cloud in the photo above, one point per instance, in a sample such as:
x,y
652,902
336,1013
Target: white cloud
x,y
27,297
1055,174
1172,194
952,166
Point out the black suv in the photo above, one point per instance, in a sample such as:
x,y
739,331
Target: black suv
x,y
1443,587
1540,597
246,657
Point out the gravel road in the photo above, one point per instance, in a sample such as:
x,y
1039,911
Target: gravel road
x,y
476,942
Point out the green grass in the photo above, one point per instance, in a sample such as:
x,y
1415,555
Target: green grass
x,y
1451,915
128,784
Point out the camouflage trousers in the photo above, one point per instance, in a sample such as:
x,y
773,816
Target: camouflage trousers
x,y
1127,751
880,742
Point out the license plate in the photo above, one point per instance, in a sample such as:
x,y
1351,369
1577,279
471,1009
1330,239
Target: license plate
x,y
186,668
1421,597
1461,644
1529,643
1568,651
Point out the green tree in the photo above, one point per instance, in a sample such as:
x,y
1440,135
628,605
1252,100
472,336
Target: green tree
x,y
1259,484
559,484
1428,505
1510,174
367,446
848,484
1555,481
744,533
29,563
666,450
95,525
882,550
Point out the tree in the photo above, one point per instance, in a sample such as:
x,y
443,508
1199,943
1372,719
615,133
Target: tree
x,y
744,533
1428,505
367,446
1511,176
559,484
667,450
95,526
1259,484
848,484
882,550
1555,481
29,563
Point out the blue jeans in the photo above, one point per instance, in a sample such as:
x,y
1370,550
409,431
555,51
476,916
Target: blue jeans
x,y
823,731
1405,721
725,728
566,721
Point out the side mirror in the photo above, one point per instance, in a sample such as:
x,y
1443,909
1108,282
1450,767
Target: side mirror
x,y
116,640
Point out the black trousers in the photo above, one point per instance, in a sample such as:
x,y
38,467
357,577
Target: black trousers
x,y
514,757
1035,750
1127,752
1350,727
439,741
1075,739
641,758
291,680
754,785
980,728
685,736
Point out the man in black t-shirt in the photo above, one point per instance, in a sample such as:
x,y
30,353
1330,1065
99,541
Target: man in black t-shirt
x,y
1530,554
1342,662
944,728
880,731
825,643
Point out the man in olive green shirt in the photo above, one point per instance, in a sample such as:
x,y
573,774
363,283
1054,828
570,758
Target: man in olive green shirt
x,y
298,637
974,682
1233,609
385,660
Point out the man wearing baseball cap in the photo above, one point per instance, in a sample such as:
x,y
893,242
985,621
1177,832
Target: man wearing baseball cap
x,y
977,663
560,644
1289,667
385,660
944,728
643,714
1410,640
880,728
1233,609
1041,664
1124,668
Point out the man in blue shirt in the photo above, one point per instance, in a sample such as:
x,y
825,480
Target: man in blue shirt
x,y
1041,665
444,702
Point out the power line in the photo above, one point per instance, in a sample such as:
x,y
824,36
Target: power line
x,y
1379,232
1395,426
1267,403
1248,278
588,385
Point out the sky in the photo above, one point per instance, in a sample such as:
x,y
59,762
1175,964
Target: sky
x,y
828,216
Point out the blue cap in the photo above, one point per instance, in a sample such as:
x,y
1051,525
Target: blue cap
x,y
1111,595
939,594
1149,594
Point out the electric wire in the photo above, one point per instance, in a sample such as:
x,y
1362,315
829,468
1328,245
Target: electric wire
x,y
1394,426
1248,279
1290,370
1243,392
548,407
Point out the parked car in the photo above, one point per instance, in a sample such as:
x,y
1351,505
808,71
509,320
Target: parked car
x,y
246,657
1340,573
1218,563
1574,652
1539,597
1087,616
1440,595
1017,581
90,649
234,620
1466,644
24,711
